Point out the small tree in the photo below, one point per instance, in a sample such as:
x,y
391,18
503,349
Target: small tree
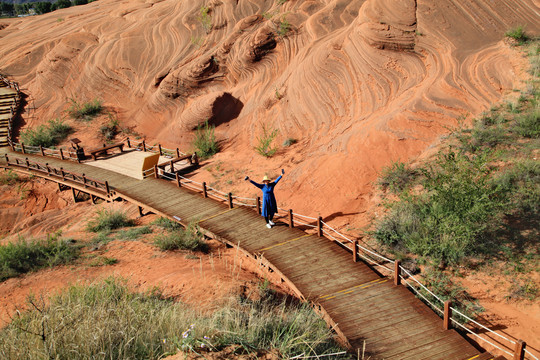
x,y
264,146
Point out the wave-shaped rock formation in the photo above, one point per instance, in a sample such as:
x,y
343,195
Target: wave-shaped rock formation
x,y
360,83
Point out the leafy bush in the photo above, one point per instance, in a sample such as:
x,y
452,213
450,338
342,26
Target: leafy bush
x,y
518,34
264,142
109,220
47,135
189,239
85,111
522,180
22,257
9,178
447,222
528,125
397,177
167,224
108,321
205,143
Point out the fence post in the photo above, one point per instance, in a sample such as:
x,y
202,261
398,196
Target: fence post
x,y
319,227
160,152
178,180
84,179
63,174
7,158
74,196
27,164
355,250
177,153
205,194
259,205
48,169
144,146
107,187
22,148
172,166
62,154
291,221
447,324
128,142
156,174
519,350
397,272
230,201
41,149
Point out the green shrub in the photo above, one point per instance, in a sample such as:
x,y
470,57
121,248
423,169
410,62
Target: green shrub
x,y
9,178
108,321
189,239
133,234
283,26
102,261
22,257
85,111
518,34
205,143
397,177
522,180
289,141
205,19
264,142
109,220
528,125
167,224
47,135
109,130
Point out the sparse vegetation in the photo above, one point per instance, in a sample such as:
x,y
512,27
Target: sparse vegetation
x,y
205,19
190,238
205,143
289,142
134,233
85,111
264,142
283,26
397,177
47,135
102,261
167,224
9,178
109,220
518,34
108,321
25,256
110,129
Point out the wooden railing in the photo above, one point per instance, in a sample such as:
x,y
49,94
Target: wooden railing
x,y
12,108
59,174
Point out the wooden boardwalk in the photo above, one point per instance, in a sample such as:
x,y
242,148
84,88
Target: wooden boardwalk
x,y
363,307
8,99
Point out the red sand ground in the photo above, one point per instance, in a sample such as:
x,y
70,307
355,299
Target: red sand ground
x,y
360,84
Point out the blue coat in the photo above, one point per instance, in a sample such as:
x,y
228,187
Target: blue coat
x,y
269,205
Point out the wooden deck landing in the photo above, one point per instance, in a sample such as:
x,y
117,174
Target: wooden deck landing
x,y
363,306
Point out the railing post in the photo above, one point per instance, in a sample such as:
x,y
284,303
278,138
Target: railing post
x,y
128,142
291,221
178,180
355,250
48,169
74,196
7,158
177,153
107,187
519,350
63,174
259,205
144,146
156,174
41,149
160,152
230,201
22,148
205,194
84,179
447,324
27,164
397,272
319,227
172,166
62,154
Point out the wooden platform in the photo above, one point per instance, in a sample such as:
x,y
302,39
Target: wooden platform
x,y
364,307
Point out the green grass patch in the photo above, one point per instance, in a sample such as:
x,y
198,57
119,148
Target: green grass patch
x,y
106,220
108,321
25,256
167,224
190,238
47,135
518,34
264,142
9,178
102,261
85,111
133,234
205,143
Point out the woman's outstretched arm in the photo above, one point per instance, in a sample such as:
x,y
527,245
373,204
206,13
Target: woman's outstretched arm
x,y
279,177
260,186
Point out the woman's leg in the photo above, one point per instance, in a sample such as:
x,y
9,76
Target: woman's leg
x,y
268,222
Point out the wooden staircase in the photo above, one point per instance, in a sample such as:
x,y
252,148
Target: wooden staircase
x,y
9,102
